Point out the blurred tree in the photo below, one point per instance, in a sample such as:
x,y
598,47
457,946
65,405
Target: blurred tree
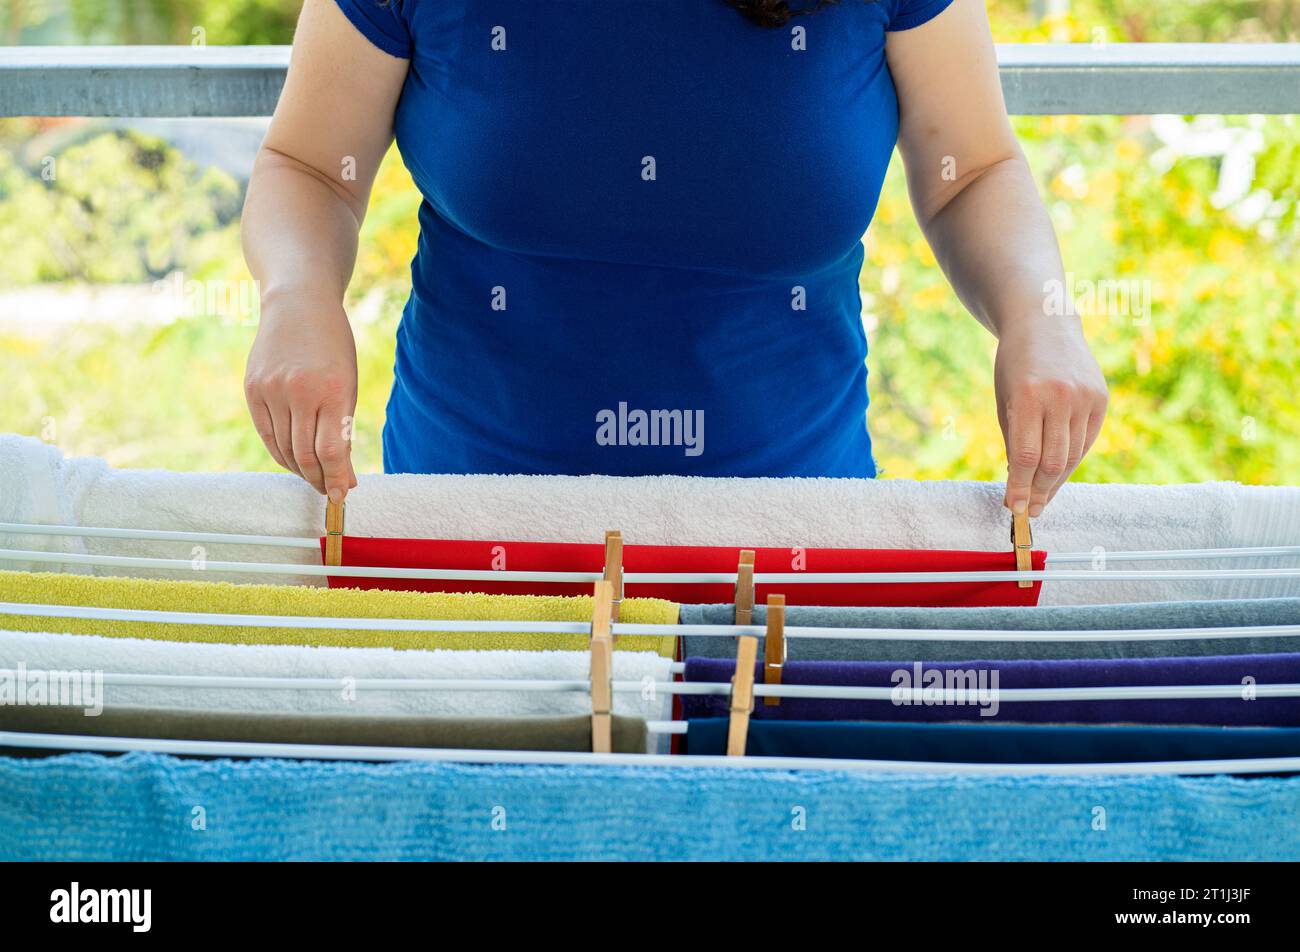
x,y
1198,381
118,207
18,15
1195,21
175,21
1198,359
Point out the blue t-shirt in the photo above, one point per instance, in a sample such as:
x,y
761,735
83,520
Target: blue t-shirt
x,y
641,231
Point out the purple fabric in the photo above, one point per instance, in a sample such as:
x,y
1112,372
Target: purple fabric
x,y
1108,672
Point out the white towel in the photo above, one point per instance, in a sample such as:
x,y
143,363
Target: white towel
x,y
82,653
667,510
39,484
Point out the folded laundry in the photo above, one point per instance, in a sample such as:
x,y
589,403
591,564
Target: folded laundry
x,y
994,743
971,690
228,598
582,557
349,667
1230,613
477,733
84,807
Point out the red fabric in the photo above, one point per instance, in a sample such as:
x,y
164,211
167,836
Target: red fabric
x,y
590,557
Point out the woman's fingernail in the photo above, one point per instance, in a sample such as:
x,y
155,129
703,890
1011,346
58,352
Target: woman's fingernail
x,y
1036,510
1018,507
336,496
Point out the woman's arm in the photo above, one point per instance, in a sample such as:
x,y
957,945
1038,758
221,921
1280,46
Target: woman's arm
x,y
977,203
306,199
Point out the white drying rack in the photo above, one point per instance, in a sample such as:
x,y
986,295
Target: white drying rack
x,y
679,688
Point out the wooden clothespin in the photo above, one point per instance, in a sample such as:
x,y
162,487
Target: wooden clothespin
x,y
333,532
742,696
1022,540
614,568
745,588
774,649
602,670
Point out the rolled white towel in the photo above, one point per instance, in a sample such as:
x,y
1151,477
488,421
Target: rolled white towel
x,y
39,484
676,510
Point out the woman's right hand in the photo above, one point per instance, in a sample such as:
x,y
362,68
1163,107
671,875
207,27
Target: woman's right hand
x,y
301,387
306,199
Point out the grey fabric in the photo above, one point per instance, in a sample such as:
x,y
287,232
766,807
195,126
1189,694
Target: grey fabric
x,y
485,733
1191,614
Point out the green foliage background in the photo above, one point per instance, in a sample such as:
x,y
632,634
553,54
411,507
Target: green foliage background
x,y
1204,389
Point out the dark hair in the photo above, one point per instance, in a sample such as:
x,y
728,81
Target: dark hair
x,y
774,13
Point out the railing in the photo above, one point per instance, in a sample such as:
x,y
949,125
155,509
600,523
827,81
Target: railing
x,y
1038,79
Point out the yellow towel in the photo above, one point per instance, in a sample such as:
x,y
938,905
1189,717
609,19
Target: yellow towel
x,y
167,595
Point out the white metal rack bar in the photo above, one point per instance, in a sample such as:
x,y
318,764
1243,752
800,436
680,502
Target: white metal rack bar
x,y
632,578
453,626
683,688
294,542
391,754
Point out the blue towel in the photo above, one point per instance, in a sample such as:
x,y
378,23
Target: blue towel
x,y
994,743
971,690
86,807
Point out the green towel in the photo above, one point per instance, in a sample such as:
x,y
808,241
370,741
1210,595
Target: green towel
x,y
487,733
226,598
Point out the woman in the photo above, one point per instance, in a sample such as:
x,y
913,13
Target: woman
x,y
640,236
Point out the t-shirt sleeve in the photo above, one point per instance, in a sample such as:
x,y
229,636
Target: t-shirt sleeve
x,y
382,22
911,13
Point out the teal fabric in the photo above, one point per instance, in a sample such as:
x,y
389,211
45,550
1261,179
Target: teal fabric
x,y
146,807
1227,613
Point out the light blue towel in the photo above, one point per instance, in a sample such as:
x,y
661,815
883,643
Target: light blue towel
x,y
86,807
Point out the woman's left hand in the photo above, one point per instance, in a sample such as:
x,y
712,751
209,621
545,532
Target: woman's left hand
x,y
1051,401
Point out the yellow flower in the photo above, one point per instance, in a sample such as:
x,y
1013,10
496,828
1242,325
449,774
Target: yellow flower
x,y
1128,150
1224,247
1205,289
933,297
